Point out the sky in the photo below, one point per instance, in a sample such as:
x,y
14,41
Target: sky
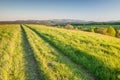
x,y
90,10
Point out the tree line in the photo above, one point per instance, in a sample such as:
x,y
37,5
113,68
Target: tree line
x,y
111,31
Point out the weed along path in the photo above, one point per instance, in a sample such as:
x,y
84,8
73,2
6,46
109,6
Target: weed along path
x,y
61,66
32,71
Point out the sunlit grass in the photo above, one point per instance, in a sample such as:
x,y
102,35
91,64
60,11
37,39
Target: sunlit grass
x,y
11,59
39,52
97,53
51,62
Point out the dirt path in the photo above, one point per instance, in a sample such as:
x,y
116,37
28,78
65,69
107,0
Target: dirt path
x,y
66,58
32,69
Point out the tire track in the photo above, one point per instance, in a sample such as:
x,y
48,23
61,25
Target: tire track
x,y
66,58
32,70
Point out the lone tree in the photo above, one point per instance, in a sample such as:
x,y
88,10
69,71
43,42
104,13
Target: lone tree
x,y
111,31
92,29
69,26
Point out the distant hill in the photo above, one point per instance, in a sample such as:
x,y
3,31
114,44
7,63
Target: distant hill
x,y
57,22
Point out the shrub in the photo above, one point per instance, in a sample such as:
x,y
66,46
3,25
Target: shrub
x,y
79,27
76,28
92,29
58,26
111,31
118,34
101,30
69,26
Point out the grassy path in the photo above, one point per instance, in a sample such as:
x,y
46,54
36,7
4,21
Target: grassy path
x,y
11,57
83,73
31,66
84,50
46,53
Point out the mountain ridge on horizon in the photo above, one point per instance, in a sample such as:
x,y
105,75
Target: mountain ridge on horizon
x,y
58,21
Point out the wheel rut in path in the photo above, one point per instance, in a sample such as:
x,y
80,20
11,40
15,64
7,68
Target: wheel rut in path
x,y
66,58
32,70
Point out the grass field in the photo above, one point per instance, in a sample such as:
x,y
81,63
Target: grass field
x,y
38,52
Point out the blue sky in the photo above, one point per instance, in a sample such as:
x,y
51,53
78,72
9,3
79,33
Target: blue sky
x,y
96,10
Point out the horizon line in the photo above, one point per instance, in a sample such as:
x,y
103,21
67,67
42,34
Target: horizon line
x,y
61,19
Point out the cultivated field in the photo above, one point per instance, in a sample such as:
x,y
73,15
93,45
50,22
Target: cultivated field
x,y
37,52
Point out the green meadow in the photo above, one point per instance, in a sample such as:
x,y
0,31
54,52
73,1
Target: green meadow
x,y
39,52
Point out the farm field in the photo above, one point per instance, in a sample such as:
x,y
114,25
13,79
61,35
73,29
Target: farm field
x,y
38,52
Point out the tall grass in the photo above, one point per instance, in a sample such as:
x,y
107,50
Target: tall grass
x,y
99,54
11,59
36,53
51,62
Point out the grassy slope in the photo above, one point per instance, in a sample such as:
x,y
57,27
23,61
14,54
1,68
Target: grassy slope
x,y
51,61
97,53
11,59
32,70
32,54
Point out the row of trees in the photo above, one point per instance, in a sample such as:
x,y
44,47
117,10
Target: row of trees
x,y
106,31
102,30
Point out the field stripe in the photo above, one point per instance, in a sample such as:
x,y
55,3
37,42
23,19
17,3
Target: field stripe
x,y
65,58
98,63
11,60
32,68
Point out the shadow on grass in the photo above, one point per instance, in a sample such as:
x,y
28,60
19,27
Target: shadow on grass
x,y
90,62
32,70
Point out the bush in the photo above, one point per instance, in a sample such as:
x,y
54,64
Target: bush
x,y
58,26
118,34
79,27
101,30
69,26
111,31
76,28
92,29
